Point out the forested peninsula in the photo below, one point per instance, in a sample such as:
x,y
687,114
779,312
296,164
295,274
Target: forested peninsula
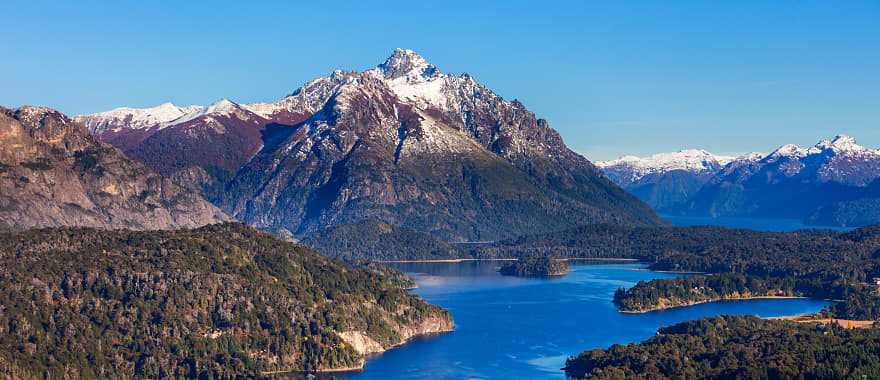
x,y
219,301
738,348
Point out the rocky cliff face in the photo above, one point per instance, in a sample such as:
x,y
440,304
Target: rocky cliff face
x,y
54,173
363,344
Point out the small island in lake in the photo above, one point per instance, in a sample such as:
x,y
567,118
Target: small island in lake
x,y
535,266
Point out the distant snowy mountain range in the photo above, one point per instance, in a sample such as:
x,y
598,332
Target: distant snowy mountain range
x,y
833,182
629,170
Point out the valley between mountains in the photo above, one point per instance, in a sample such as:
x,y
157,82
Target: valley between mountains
x,y
229,240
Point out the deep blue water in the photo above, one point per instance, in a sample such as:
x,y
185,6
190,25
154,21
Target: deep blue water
x,y
523,328
759,224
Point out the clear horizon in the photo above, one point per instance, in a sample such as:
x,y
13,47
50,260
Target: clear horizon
x,y
613,79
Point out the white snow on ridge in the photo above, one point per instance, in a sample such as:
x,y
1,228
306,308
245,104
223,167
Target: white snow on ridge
x,y
407,74
161,116
135,118
221,107
839,145
692,160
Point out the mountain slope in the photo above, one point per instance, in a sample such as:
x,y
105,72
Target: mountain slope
x,y
222,301
408,145
402,143
200,147
53,173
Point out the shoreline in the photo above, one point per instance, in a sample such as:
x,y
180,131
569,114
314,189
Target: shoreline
x,y
366,357
439,260
662,308
500,259
669,271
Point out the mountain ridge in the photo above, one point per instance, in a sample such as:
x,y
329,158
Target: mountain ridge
x,y
832,182
403,143
53,173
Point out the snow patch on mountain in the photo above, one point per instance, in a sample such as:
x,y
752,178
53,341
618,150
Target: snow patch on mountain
x,y
222,107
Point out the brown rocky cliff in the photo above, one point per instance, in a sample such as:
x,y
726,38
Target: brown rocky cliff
x,y
54,173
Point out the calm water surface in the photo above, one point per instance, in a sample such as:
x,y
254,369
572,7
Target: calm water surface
x,y
519,328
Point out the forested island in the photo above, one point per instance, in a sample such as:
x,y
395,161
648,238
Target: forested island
x,y
220,301
738,348
535,266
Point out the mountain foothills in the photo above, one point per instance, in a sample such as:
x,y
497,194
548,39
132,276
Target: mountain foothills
x,y
401,143
831,183
53,173
222,301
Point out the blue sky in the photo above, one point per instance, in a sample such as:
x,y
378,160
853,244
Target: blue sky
x,y
612,77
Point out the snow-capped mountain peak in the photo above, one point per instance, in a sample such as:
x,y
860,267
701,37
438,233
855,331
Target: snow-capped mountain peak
x,y
629,169
220,107
407,63
787,150
687,159
841,144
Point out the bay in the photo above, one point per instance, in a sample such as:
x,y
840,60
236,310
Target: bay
x,y
525,328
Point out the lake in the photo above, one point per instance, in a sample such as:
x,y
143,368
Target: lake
x,y
758,224
525,328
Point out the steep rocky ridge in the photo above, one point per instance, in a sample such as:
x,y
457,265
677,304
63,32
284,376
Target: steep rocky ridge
x,y
54,173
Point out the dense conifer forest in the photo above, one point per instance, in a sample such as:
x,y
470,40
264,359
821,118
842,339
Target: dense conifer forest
x,y
217,302
738,348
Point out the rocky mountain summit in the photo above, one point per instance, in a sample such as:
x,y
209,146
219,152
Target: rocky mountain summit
x,y
402,143
54,173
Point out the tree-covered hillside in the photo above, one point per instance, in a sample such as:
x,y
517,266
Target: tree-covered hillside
x,y
219,302
377,240
738,348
